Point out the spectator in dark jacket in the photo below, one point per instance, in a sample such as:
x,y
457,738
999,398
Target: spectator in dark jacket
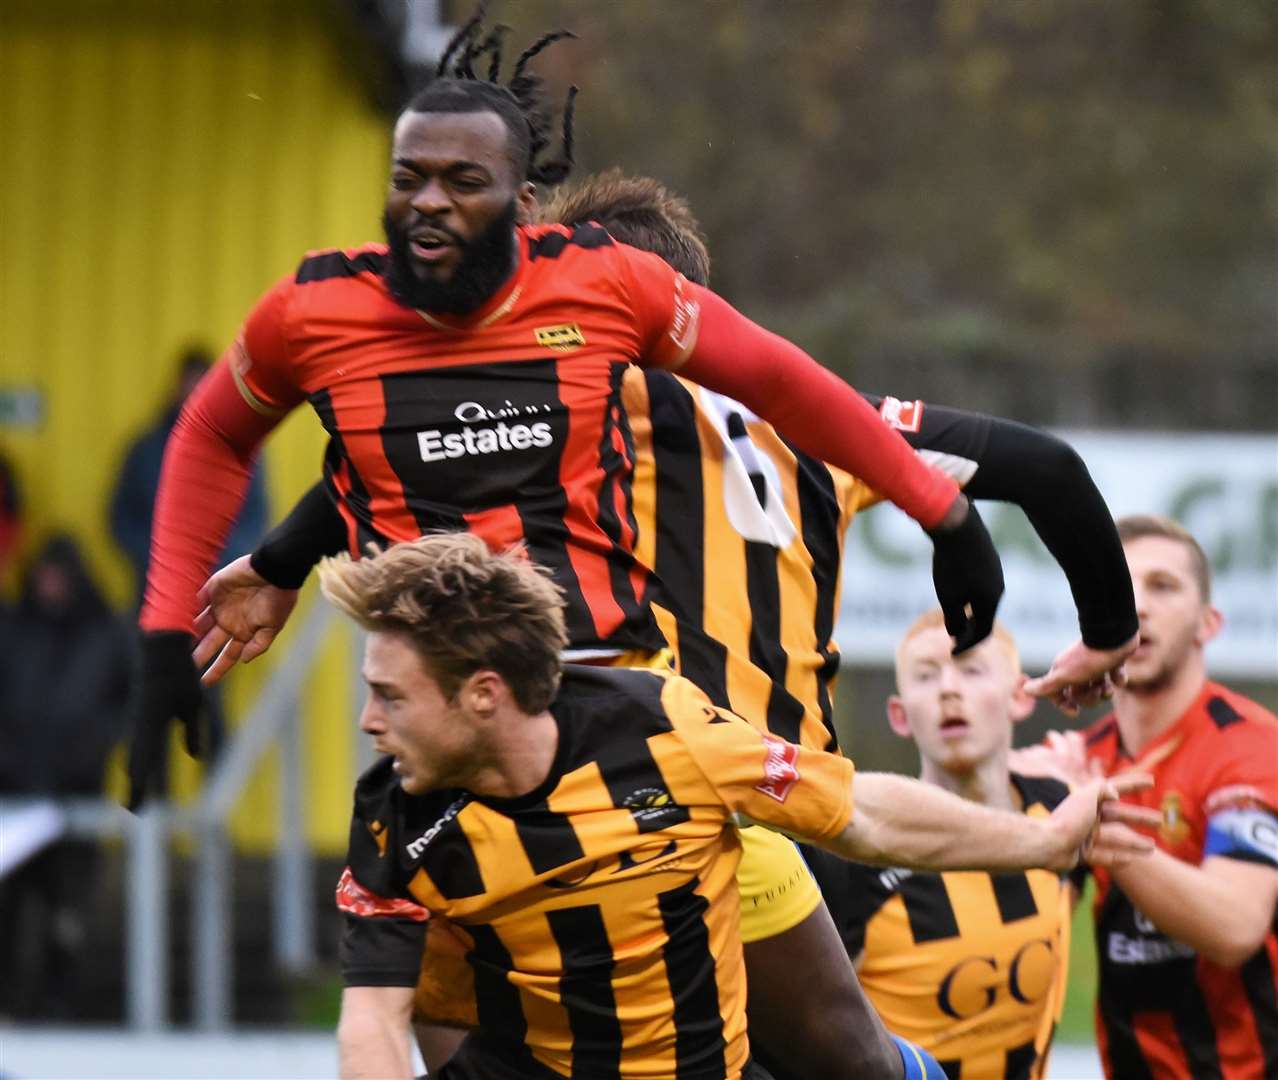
x,y
134,497
63,690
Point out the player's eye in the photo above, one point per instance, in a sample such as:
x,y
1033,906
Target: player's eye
x,y
403,182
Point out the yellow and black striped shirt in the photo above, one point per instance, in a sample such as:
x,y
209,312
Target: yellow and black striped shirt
x,y
969,965
745,535
599,911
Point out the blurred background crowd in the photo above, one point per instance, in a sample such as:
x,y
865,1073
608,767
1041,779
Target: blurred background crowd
x,y
1064,212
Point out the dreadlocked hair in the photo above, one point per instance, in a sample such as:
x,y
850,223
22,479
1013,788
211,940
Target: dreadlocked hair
x,y
639,211
520,103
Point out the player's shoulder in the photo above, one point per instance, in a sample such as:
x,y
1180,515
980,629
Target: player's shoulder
x,y
331,264
598,705
1230,712
1228,726
377,791
1044,791
553,242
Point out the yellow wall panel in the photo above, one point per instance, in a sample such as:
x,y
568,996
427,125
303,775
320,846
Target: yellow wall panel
x,y
162,162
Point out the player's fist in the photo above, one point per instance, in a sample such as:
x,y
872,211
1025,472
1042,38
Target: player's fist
x,y
968,577
167,688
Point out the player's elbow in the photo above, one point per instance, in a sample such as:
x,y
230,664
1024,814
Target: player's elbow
x,y
1231,947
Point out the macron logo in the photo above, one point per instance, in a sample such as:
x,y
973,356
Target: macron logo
x,y
779,773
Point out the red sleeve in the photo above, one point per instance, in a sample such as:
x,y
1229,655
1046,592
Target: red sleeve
x,y
688,328
207,465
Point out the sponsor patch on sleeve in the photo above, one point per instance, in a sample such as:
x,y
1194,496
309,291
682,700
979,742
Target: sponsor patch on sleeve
x,y
1250,834
902,415
354,899
779,771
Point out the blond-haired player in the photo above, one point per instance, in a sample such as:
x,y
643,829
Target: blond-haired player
x,y
969,965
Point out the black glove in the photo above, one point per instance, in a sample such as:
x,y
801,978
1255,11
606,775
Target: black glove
x,y
968,578
167,688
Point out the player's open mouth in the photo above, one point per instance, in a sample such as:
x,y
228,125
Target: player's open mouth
x,y
955,725
431,247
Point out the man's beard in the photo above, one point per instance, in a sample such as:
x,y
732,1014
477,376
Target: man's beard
x,y
484,263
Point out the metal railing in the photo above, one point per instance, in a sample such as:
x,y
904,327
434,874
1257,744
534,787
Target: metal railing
x,y
273,721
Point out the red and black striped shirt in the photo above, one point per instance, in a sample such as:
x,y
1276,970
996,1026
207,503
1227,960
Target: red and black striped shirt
x,y
1163,1012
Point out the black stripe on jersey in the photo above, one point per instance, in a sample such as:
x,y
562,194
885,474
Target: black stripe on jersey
x,y
1223,713
451,864
1020,1060
785,713
635,782
1103,732
552,245
1257,976
680,542
927,903
819,520
335,456
1122,1049
1014,897
548,838
496,999
585,989
694,991
617,477
1197,1033
953,1069
333,264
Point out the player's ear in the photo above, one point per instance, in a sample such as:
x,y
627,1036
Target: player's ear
x,y
898,721
1211,624
481,692
1021,704
526,206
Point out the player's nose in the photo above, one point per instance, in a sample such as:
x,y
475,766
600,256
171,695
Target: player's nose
x,y
431,198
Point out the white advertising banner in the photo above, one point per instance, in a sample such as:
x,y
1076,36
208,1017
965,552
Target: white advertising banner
x,y
1223,488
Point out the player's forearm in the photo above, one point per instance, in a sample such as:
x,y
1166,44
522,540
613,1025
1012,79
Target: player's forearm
x,y
372,1034
813,408
313,528
1046,478
1217,915
206,472
898,821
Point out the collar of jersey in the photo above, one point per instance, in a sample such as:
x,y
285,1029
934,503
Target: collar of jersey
x,y
498,307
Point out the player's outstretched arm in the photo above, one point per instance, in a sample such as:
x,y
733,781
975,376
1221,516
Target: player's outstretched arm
x,y
246,604
1003,460
899,821
372,1034
823,416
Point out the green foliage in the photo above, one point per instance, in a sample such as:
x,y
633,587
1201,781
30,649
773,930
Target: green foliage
x,y
1060,179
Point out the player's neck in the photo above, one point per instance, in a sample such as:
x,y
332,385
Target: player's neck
x,y
988,783
523,751
1144,714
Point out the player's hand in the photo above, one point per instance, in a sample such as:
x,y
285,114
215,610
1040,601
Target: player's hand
x,y
1092,826
1082,676
241,614
1061,755
967,574
167,688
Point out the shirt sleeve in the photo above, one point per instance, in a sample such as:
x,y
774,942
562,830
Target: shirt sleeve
x,y
1241,806
758,776
259,358
666,310
384,928
682,326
